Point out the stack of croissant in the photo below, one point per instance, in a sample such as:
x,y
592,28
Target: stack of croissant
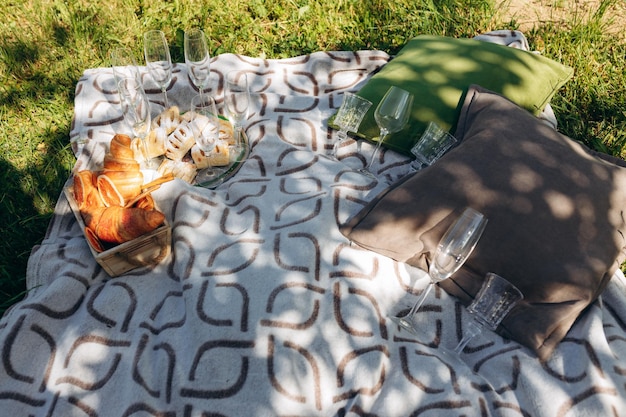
x,y
113,203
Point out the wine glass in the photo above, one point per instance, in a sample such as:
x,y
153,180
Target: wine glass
x,y
237,101
123,64
452,251
197,58
391,115
349,117
492,303
431,146
205,127
158,61
136,110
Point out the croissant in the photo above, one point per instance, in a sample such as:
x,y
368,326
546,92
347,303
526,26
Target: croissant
x,y
93,240
119,224
120,146
118,187
146,202
114,163
121,178
85,190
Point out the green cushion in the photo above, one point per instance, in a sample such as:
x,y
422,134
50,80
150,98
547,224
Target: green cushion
x,y
438,71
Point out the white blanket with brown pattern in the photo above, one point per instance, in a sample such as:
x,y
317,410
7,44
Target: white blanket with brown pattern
x,y
263,308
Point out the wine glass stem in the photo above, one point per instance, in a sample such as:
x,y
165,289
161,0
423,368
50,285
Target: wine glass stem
x,y
420,301
209,170
383,134
146,156
238,129
472,330
341,136
167,103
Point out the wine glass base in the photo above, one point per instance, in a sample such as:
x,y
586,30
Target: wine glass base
x,y
151,164
405,323
453,359
450,356
367,173
237,153
207,174
149,174
456,362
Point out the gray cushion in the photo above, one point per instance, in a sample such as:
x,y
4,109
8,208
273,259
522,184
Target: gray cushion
x,y
556,222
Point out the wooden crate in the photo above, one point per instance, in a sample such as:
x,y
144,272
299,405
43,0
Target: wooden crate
x,y
149,249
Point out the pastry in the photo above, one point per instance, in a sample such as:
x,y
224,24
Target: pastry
x,y
219,156
180,169
179,142
169,119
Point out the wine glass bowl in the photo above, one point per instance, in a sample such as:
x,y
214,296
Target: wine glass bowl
x,y
349,117
158,60
123,64
136,110
391,115
457,244
197,58
205,128
237,104
453,249
431,146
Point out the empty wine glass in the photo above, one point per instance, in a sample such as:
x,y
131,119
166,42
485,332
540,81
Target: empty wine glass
x,y
492,303
452,251
123,64
349,117
136,109
158,61
391,115
197,58
205,128
431,146
237,101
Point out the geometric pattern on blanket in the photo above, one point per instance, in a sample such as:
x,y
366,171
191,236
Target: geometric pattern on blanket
x,y
263,308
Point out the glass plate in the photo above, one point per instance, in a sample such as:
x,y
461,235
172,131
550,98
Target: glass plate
x,y
228,171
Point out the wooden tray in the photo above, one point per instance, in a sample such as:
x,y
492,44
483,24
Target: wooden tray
x,y
149,249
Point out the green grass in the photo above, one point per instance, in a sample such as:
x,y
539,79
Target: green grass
x,y
45,45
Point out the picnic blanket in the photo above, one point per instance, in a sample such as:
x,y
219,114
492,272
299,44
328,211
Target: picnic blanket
x,y
263,308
